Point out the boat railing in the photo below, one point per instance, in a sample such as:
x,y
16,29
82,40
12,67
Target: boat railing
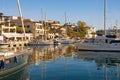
x,y
12,53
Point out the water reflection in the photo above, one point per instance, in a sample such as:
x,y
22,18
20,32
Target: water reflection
x,y
21,74
64,62
49,53
40,57
108,63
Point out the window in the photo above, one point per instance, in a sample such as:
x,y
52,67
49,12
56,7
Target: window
x,y
28,26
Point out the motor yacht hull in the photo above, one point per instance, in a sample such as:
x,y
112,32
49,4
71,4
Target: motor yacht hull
x,y
98,47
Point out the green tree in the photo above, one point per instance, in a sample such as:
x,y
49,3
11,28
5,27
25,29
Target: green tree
x,y
100,32
1,14
70,32
82,28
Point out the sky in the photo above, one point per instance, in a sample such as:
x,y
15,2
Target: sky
x,y
89,11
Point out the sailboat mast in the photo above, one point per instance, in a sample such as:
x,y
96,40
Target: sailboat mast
x,y
105,16
65,24
20,12
44,26
65,18
42,22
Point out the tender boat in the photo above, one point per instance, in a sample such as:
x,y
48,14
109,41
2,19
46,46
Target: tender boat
x,y
66,40
40,43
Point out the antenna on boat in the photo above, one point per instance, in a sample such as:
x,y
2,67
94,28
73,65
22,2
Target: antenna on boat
x,y
20,12
116,28
105,16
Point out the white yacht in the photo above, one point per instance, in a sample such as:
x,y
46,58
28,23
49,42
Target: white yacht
x,y
106,43
101,43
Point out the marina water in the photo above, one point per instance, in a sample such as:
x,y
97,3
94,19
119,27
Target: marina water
x,y
65,62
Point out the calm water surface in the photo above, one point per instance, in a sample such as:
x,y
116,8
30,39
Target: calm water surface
x,y
64,62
